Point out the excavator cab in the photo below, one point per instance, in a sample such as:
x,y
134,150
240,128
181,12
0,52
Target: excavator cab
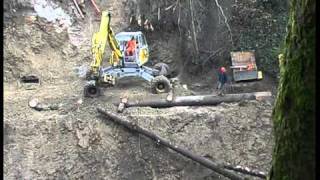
x,y
140,55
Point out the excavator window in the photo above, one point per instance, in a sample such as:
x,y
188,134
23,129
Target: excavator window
x,y
139,40
123,45
143,41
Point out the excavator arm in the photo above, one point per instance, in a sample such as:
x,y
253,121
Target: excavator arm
x,y
99,41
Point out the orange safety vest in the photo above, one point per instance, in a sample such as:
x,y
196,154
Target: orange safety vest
x,y
131,45
250,67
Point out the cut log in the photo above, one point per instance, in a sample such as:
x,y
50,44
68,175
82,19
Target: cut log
x,y
201,160
204,100
35,104
30,79
122,104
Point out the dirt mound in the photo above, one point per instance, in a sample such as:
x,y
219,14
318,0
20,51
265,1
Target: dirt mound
x,y
74,143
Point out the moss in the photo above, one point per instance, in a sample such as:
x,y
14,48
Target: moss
x,y
293,115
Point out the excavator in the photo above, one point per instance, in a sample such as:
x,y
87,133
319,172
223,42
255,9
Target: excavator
x,y
121,64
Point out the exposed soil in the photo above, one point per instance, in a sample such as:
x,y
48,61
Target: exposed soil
x,y
74,143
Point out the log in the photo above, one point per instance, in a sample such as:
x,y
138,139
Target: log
x,y
95,6
247,171
30,79
122,104
203,100
201,160
35,104
78,8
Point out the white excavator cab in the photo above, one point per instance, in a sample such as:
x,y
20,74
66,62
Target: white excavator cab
x,y
141,53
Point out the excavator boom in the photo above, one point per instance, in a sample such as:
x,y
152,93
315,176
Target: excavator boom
x,y
99,41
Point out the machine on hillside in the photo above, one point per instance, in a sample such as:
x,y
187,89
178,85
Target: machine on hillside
x,y
121,64
244,66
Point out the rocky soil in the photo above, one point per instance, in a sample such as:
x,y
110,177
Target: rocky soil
x,y
72,142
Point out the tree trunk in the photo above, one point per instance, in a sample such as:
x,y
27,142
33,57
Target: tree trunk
x,y
194,34
204,100
294,111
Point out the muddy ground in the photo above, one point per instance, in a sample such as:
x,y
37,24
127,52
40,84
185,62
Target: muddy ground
x,y
72,142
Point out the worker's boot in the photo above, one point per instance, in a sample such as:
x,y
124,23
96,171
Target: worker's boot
x,y
220,92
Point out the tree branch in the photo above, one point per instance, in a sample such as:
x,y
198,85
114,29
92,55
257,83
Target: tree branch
x,y
194,35
225,20
211,56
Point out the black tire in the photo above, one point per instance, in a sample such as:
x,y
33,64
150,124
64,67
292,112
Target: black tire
x,y
163,69
91,91
160,84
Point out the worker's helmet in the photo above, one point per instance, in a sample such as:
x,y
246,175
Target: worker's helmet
x,y
223,69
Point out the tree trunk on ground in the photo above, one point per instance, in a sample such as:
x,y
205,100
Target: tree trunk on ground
x,y
294,111
204,100
190,101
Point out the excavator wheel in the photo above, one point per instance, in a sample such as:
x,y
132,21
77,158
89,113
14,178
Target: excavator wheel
x,y
160,84
91,91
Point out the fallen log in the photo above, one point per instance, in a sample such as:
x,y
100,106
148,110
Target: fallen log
x,y
35,104
95,6
247,171
201,160
78,8
30,79
204,100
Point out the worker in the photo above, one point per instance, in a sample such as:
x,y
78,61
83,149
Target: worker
x,y
222,79
250,67
131,46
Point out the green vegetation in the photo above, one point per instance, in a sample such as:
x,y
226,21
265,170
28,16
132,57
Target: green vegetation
x,y
294,111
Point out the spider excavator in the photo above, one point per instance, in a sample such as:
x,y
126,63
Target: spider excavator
x,y
121,63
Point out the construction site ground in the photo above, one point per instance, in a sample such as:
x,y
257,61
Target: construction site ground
x,y
73,142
